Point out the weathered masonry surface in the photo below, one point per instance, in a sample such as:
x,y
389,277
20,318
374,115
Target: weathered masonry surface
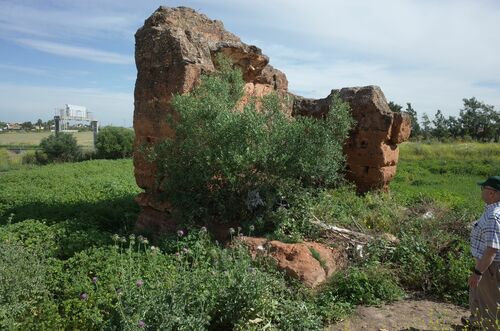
x,y
177,45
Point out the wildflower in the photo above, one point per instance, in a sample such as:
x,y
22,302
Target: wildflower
x,y
261,248
231,231
131,237
141,324
185,250
139,283
180,233
123,239
84,296
145,241
94,279
115,237
203,229
177,254
140,239
252,228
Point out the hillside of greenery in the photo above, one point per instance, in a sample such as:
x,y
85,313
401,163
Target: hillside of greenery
x,y
69,259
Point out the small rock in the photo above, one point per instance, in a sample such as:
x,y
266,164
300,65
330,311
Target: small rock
x,y
297,260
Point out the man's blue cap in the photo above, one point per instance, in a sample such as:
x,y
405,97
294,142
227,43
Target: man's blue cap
x,y
493,182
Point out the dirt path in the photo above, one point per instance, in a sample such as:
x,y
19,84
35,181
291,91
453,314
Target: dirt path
x,y
405,315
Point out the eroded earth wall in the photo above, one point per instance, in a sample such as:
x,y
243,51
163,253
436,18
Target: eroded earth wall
x,y
176,45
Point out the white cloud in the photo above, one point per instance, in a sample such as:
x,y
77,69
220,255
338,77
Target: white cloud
x,y
22,69
67,21
430,53
84,53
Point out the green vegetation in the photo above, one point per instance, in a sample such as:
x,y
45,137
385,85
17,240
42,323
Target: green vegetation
x,y
446,173
477,121
60,147
31,140
9,160
114,143
241,164
61,236
69,258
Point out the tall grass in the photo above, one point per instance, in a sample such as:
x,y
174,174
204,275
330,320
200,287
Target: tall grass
x,y
445,173
32,139
9,160
410,151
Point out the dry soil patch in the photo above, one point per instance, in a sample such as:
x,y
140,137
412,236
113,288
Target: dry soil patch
x,y
404,315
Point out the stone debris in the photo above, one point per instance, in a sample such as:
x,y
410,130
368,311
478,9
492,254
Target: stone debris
x,y
309,262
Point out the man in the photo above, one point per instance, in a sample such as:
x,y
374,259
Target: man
x,y
484,282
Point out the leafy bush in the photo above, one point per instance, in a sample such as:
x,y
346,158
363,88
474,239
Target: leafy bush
x,y
226,165
35,236
115,143
29,158
26,301
433,256
370,285
58,148
435,266
200,287
8,160
372,212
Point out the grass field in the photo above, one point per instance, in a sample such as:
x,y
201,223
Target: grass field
x,y
64,269
32,139
446,173
14,145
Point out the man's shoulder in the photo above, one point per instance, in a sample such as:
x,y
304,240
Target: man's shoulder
x,y
495,212
494,218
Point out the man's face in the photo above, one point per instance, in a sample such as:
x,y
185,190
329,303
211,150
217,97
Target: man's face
x,y
489,194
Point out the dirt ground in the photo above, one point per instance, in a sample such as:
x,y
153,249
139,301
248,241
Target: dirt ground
x,y
405,315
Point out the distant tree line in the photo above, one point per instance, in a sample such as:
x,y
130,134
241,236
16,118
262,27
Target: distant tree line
x,y
41,125
476,121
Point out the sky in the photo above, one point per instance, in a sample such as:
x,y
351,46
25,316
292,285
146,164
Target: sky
x,y
430,53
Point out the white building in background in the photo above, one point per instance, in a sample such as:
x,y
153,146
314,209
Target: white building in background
x,y
73,113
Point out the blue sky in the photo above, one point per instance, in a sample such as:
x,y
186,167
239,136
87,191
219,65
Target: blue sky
x,y
429,53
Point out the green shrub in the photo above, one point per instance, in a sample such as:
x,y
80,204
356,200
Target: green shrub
x,y
436,267
34,235
227,165
433,256
200,287
115,143
369,285
29,158
26,283
8,160
290,221
58,148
